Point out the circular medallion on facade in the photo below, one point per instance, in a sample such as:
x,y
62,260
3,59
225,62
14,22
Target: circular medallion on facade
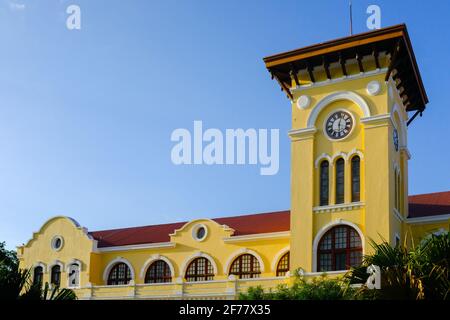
x,y
373,88
303,102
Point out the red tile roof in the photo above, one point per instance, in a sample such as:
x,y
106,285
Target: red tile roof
x,y
429,204
243,225
422,205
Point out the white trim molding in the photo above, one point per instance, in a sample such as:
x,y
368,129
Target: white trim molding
x,y
355,152
338,155
322,157
337,96
349,77
259,236
158,245
403,125
331,159
398,215
115,261
377,118
54,263
40,264
196,255
327,227
74,261
339,207
154,258
236,254
429,219
301,134
277,258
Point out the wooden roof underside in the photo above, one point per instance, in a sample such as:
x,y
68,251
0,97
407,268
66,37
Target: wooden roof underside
x,y
392,40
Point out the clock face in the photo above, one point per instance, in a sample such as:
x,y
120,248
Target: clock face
x,y
339,125
395,138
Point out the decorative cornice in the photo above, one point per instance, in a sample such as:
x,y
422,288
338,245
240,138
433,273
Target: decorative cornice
x,y
258,236
430,219
157,245
339,207
301,134
328,82
377,118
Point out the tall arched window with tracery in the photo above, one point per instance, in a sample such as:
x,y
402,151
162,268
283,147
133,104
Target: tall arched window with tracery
x,y
158,272
246,266
120,274
324,183
356,179
200,269
339,249
395,190
399,192
283,265
340,181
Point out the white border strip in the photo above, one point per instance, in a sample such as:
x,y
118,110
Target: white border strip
x,y
430,219
157,245
258,236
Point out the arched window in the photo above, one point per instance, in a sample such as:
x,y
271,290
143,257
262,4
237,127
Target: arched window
x,y
395,190
324,183
399,193
74,275
245,266
340,163
283,265
56,275
200,269
356,177
339,249
119,274
158,272
38,275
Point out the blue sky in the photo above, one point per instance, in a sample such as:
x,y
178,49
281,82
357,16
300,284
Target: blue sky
x,y
86,116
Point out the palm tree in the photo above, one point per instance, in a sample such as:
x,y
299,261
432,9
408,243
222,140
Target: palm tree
x,y
421,273
16,284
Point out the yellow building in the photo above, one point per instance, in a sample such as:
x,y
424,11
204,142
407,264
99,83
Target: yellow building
x,y
349,183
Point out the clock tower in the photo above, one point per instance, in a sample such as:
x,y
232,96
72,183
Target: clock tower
x,y
351,104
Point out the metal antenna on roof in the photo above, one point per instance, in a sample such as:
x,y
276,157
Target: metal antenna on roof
x,y
351,18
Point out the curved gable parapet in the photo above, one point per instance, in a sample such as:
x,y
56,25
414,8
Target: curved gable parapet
x,y
195,222
75,224
337,96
